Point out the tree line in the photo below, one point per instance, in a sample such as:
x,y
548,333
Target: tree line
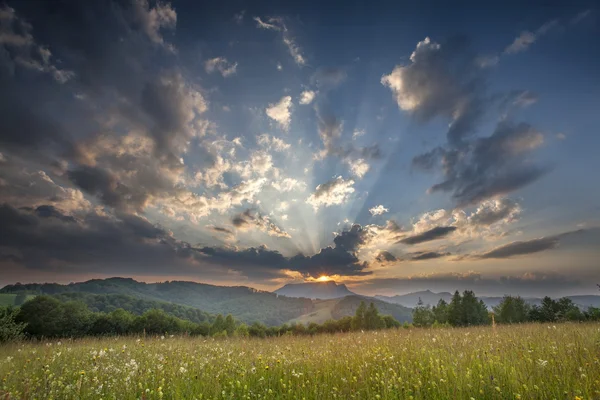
x,y
48,317
468,310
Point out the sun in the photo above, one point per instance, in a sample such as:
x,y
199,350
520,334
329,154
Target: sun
x,y
324,278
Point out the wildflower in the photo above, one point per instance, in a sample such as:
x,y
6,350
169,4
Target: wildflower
x,y
266,367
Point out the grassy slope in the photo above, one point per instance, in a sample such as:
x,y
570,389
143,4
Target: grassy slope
x,y
507,362
321,313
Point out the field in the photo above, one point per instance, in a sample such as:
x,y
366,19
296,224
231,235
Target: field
x,y
506,362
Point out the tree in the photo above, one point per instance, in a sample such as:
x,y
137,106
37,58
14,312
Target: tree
x,y
455,310
359,320
474,311
42,316
440,312
229,325
242,331
218,325
422,315
372,318
512,310
10,329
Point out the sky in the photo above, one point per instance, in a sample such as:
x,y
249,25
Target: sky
x,y
393,148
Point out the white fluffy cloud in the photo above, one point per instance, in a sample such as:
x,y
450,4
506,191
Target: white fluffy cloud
x,y
307,96
280,112
272,143
334,192
378,210
358,167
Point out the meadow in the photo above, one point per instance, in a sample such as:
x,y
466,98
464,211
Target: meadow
x,y
533,361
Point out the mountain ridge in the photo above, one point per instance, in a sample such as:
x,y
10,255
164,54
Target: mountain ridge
x,y
315,290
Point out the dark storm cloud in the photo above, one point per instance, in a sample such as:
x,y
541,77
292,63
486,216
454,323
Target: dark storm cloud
x,y
47,239
105,185
47,211
444,80
526,247
120,76
252,218
221,230
441,80
426,255
350,240
488,167
532,284
385,256
436,233
339,260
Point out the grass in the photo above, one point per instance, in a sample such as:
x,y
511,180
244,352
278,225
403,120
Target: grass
x,y
507,362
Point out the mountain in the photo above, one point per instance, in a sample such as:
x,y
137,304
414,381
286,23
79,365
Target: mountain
x,y
346,307
315,290
411,299
432,298
245,304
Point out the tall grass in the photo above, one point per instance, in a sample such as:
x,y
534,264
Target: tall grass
x,y
505,362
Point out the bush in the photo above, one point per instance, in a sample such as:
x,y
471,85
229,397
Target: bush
x,y
10,329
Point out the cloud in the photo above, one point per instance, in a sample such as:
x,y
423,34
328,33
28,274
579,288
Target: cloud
x,y
272,143
440,81
580,17
280,112
426,255
432,234
493,211
288,185
307,96
378,210
21,49
334,192
45,239
154,19
533,283
385,257
525,247
341,259
173,105
490,167
330,130
239,17
525,98
222,65
526,38
250,219
264,25
358,167
277,24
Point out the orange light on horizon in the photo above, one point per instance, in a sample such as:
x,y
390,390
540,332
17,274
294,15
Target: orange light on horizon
x,y
324,278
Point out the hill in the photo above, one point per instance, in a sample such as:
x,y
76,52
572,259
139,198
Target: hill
x,y
346,307
432,298
411,299
244,303
107,303
315,290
